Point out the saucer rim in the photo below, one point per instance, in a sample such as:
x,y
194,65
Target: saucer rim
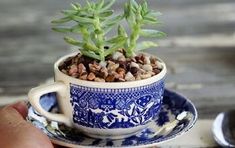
x,y
147,144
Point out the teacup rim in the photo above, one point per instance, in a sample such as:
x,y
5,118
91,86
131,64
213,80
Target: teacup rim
x,y
135,83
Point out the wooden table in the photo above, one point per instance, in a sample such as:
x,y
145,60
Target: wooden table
x,y
199,50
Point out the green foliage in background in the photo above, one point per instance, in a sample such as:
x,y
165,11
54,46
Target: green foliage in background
x,y
95,20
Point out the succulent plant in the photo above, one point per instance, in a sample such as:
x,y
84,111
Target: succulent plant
x,y
137,16
95,20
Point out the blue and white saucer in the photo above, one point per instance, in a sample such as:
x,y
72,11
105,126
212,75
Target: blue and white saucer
x,y
173,105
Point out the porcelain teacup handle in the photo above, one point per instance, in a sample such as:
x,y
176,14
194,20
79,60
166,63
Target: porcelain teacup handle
x,y
35,95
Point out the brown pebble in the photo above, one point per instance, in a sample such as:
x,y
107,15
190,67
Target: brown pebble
x,y
142,57
117,75
73,69
137,58
154,66
147,60
103,72
94,67
156,71
75,75
121,71
134,70
110,78
91,76
122,64
63,66
138,77
121,80
75,59
81,69
83,77
133,60
112,66
153,60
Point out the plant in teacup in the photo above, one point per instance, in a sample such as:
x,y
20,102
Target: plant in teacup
x,y
108,88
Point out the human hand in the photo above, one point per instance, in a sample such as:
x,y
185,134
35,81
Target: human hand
x,y
15,132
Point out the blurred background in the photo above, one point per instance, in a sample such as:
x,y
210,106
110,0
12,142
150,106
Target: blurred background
x,y
199,50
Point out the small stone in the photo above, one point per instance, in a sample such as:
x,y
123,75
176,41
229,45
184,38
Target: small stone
x,y
73,69
75,59
64,71
133,60
147,60
68,61
152,73
81,69
91,76
141,71
63,66
103,63
97,79
133,64
138,77
75,75
121,80
103,72
147,67
134,70
154,66
156,71
159,65
145,76
121,71
110,78
129,77
117,75
117,55
153,60
83,77
122,58
110,62
94,67
139,59
112,66
122,64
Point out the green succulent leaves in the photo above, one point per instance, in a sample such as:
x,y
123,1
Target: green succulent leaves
x,y
94,20
137,16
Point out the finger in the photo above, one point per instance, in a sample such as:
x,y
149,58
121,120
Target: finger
x,y
15,132
21,107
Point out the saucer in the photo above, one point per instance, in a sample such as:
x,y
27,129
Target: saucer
x,y
173,105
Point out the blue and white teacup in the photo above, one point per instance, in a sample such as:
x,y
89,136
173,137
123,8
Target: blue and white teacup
x,y
102,109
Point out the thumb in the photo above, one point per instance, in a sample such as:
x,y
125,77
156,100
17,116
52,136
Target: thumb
x,y
14,113
21,108
15,132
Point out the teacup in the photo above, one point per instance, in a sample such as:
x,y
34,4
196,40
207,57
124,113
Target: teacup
x,y
103,109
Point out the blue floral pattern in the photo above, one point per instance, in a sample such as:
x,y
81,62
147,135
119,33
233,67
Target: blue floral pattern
x,y
116,108
172,105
